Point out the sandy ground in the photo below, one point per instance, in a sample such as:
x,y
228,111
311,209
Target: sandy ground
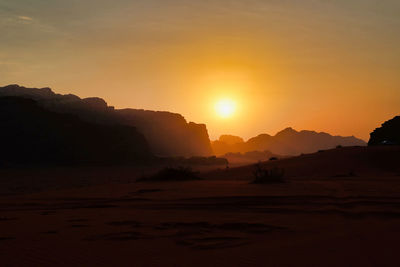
x,y
330,218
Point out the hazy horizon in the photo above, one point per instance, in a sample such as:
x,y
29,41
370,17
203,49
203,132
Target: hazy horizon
x,y
328,66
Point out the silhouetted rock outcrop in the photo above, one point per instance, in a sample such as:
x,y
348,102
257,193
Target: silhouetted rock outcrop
x,y
168,134
387,134
287,142
31,134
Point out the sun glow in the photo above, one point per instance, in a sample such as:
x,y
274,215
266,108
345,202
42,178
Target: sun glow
x,y
225,108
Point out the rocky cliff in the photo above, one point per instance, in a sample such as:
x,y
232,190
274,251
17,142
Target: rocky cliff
x,y
387,134
168,134
31,134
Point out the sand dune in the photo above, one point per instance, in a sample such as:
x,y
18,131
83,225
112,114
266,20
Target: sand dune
x,y
318,217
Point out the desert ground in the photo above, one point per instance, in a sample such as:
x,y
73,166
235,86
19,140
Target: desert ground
x,y
338,207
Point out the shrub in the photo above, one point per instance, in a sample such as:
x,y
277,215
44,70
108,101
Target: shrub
x,y
172,174
273,158
265,176
339,146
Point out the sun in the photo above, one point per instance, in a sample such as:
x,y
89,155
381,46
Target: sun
x,y
225,108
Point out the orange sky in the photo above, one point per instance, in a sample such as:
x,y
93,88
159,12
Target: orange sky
x,y
321,65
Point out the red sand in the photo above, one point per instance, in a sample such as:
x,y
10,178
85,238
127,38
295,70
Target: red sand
x,y
321,216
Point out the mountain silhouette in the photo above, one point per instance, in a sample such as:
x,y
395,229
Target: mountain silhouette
x,y
387,134
285,142
168,134
31,134
230,139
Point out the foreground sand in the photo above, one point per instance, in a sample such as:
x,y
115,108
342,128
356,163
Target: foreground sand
x,y
331,220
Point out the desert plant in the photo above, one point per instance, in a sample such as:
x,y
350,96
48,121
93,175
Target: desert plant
x,y
273,158
173,174
265,176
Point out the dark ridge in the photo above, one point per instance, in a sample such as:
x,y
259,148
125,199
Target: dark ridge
x,y
286,142
167,134
387,134
32,135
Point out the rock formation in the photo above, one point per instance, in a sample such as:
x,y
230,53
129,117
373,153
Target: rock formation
x,y
31,134
286,142
168,134
387,134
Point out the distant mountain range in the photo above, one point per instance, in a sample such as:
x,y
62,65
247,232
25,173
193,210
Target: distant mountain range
x,y
168,134
285,142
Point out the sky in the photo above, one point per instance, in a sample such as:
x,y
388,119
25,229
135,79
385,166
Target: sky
x,y
324,65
